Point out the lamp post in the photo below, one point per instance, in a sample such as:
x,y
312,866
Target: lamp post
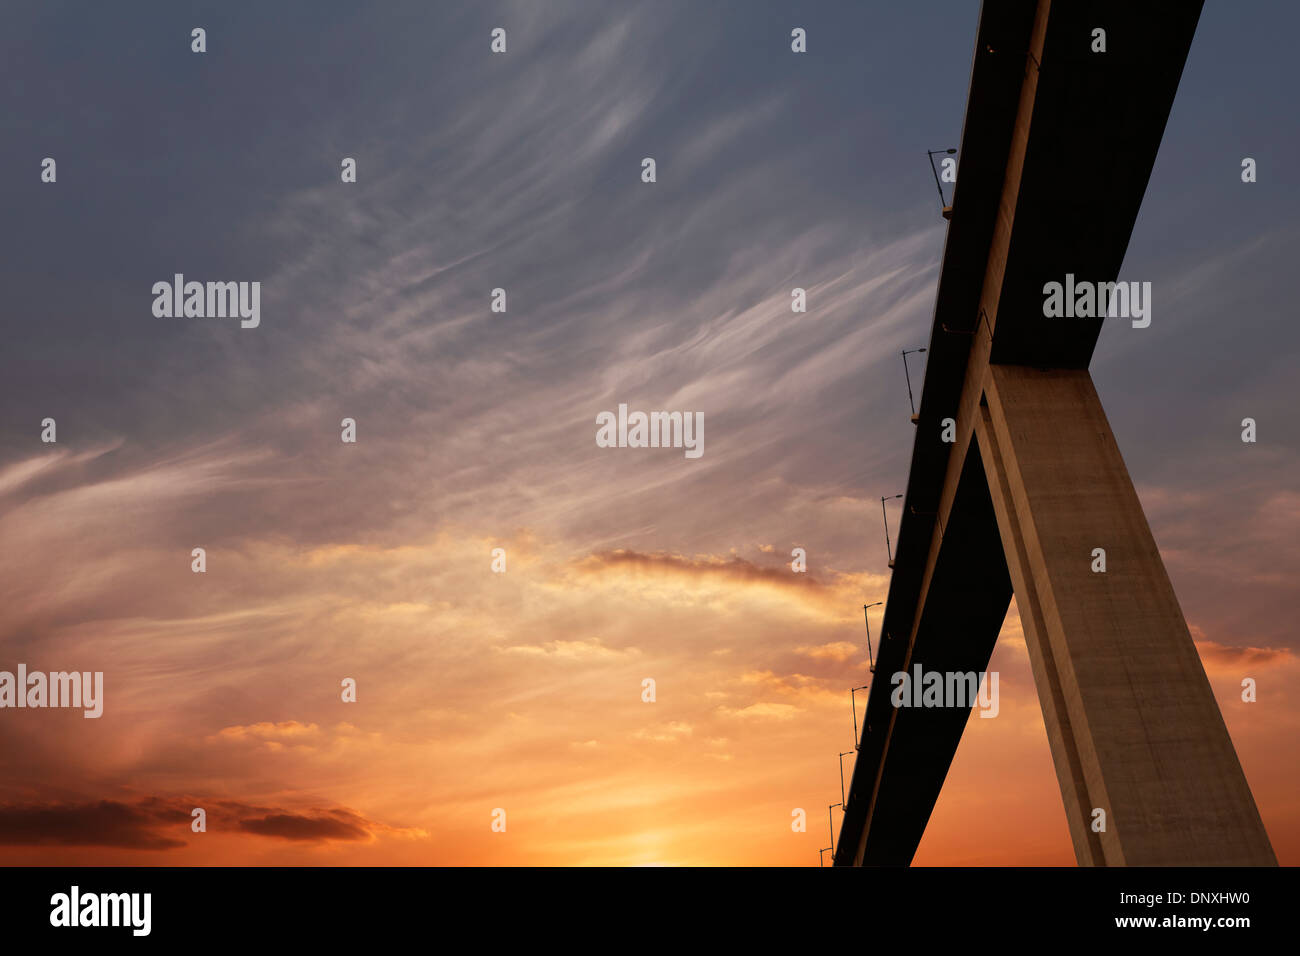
x,y
821,860
853,701
907,375
871,664
830,823
885,518
947,209
842,756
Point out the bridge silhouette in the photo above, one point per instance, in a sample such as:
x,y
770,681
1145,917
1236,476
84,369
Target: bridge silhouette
x,y
1057,148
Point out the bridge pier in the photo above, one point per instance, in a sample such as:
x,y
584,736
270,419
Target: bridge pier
x,y
1133,725
1030,482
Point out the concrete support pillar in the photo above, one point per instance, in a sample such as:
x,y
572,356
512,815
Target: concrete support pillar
x,y
1133,725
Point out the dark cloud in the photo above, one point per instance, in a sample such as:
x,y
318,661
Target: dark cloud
x,y
153,823
733,567
106,823
331,825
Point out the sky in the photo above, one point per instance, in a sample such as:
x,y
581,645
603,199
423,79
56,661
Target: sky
x,y
522,691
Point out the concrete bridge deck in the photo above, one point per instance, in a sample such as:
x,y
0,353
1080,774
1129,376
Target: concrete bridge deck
x,y
1057,149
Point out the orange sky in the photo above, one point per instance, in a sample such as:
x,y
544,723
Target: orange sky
x,y
479,690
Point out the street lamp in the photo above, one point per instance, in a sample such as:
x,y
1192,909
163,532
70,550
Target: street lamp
x,y
883,499
831,824
821,860
871,663
853,701
947,209
842,756
906,375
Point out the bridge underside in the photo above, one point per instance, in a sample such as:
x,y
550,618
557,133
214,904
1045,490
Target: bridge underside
x,y
1058,146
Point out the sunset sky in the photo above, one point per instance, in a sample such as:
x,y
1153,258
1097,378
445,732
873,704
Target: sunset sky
x,y
523,690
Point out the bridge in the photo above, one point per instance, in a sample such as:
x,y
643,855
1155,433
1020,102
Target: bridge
x,y
1057,148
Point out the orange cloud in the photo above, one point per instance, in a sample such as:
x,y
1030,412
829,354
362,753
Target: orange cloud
x,y
839,651
1216,656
